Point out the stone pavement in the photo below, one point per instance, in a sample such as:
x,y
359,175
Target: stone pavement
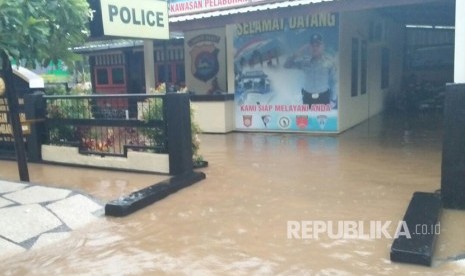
x,y
32,216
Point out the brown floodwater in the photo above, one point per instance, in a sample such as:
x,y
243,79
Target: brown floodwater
x,y
235,222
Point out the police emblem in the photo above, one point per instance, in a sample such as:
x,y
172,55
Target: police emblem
x,y
302,121
266,119
247,120
284,122
322,121
204,62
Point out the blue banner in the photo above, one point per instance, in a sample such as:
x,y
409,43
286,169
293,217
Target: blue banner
x,y
286,74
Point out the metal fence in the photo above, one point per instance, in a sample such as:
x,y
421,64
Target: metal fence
x,y
107,125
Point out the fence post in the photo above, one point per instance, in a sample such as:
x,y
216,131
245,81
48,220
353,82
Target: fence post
x,y
35,109
179,136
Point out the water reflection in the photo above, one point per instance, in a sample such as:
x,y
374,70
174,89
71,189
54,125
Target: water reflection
x,y
234,222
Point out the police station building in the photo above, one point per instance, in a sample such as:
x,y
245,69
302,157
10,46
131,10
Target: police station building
x,y
293,66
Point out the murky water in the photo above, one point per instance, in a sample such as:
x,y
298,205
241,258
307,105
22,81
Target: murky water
x,y
235,221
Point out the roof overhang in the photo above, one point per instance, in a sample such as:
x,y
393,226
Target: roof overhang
x,y
106,45
407,12
260,11
34,80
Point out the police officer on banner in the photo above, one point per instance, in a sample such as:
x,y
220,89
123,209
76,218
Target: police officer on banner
x,y
320,71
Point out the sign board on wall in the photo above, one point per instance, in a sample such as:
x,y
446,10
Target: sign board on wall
x,y
178,7
205,61
126,18
6,133
286,74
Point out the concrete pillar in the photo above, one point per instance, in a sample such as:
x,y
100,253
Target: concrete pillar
x,y
459,63
453,150
179,133
149,65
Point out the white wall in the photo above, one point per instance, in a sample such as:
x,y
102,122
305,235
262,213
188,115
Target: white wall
x,y
354,110
214,116
138,161
459,65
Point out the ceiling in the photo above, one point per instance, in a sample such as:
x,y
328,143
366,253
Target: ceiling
x,y
439,13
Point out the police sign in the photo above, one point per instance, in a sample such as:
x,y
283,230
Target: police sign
x,y
137,19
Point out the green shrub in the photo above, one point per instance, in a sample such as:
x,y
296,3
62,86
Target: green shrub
x,y
155,112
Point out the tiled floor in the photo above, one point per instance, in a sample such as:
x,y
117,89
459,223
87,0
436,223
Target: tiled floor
x,y
33,216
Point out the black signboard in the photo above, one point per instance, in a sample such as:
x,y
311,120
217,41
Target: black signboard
x,y
10,122
95,22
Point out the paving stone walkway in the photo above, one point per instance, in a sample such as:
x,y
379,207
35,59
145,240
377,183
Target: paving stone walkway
x,y
32,216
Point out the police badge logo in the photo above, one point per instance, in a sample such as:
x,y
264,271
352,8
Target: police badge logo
x,y
247,120
204,62
322,121
284,122
301,121
266,120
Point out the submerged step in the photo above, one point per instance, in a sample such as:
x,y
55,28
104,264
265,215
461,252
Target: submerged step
x,y
126,205
422,221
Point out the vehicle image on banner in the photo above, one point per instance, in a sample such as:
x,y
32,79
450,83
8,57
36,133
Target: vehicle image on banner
x,y
251,85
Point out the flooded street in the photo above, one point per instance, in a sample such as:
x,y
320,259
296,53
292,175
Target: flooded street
x,y
235,222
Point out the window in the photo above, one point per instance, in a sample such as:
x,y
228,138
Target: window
x,y
385,68
164,74
102,76
110,76
180,73
117,75
355,62
175,72
363,73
